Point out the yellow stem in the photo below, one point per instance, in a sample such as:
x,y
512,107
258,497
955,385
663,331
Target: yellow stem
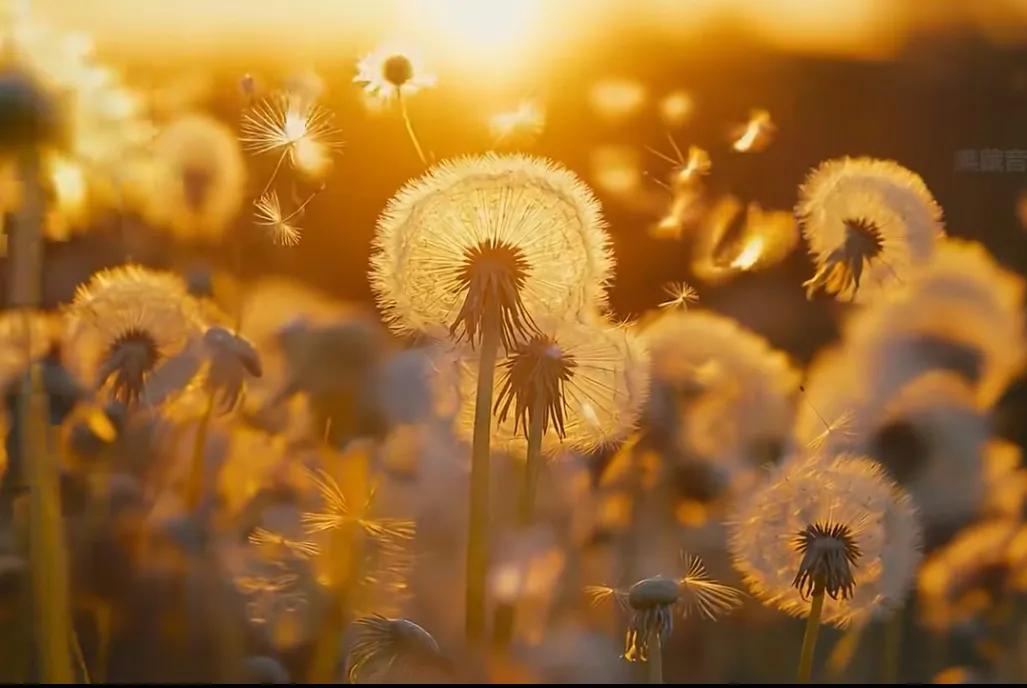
x,y
478,522
809,639
410,128
532,464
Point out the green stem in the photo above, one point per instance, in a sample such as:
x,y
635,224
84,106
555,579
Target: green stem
x,y
197,466
478,523
809,639
654,663
532,465
410,128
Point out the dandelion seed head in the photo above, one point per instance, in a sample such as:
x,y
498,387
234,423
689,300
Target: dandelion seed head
x,y
592,379
136,318
839,517
517,233
867,222
198,178
380,642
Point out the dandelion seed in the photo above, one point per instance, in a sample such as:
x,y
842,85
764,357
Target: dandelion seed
x,y
756,134
521,125
138,318
288,122
515,233
380,642
263,537
681,294
835,522
268,214
867,222
338,514
686,170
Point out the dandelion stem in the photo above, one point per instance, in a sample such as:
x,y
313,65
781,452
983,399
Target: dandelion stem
x,y
654,663
274,172
892,648
532,464
47,554
410,128
478,524
197,466
809,638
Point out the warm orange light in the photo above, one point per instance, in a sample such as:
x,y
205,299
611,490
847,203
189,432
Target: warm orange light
x,y
749,255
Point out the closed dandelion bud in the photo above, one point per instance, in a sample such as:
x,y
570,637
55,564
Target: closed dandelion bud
x,y
28,115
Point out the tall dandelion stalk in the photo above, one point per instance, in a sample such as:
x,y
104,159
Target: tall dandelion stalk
x,y
469,252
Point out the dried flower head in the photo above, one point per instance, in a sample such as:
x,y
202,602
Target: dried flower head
x,y
138,318
502,237
837,523
654,601
197,179
588,380
867,222
393,71
380,642
724,391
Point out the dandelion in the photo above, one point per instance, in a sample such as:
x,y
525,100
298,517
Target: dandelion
x,y
654,601
756,134
729,393
834,528
522,124
295,126
138,318
686,170
476,247
681,295
379,643
198,178
394,73
866,218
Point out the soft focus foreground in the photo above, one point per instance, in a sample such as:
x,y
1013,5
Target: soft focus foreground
x,y
513,341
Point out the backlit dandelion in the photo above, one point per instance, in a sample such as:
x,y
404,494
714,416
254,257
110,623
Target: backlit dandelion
x,y
379,643
338,513
868,222
295,126
393,73
829,538
654,601
681,295
269,540
138,318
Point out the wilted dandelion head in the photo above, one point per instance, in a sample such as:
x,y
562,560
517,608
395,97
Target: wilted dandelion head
x,y
972,573
589,381
654,601
380,642
508,237
138,317
838,523
727,390
392,71
867,221
198,178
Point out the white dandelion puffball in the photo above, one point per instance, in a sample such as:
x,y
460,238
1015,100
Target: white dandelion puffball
x,y
847,496
592,376
529,221
867,222
732,390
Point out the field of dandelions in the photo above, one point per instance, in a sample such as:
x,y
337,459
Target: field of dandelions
x,y
482,468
